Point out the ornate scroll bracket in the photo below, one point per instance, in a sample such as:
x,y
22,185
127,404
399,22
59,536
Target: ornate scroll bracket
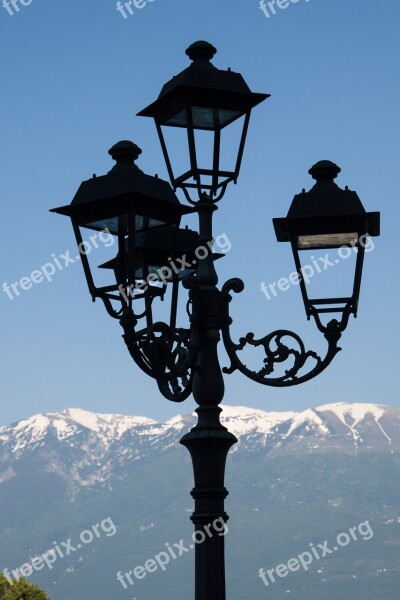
x,y
164,354
276,351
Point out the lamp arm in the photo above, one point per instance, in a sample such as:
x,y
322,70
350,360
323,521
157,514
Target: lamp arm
x,y
164,354
280,354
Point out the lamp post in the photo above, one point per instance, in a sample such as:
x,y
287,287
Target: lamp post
x,y
144,215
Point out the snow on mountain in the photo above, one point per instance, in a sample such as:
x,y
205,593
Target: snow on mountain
x,y
67,424
118,424
88,449
353,415
356,411
241,420
310,419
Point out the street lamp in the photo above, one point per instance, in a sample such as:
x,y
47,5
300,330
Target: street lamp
x,y
328,217
125,203
203,98
153,254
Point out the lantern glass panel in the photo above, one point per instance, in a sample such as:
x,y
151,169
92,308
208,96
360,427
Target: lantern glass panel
x,y
328,273
114,224
211,160
176,141
230,143
94,249
328,240
204,142
204,118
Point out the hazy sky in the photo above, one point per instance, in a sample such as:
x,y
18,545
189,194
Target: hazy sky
x,y
73,76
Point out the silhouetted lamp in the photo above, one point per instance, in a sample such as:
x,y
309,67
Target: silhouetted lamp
x,y
126,203
203,98
328,217
144,214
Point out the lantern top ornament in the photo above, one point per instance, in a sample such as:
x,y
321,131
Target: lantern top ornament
x,y
201,51
324,170
125,153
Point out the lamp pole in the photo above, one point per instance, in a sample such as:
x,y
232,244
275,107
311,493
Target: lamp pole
x,y
144,215
209,441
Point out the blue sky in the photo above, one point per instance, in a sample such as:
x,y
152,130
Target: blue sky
x,y
73,77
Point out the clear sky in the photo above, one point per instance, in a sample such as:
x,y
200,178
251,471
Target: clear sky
x,y
73,76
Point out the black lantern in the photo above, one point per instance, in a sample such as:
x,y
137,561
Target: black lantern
x,y
162,256
203,98
125,203
328,217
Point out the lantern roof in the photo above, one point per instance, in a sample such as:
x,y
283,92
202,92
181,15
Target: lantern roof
x,y
326,209
123,189
204,85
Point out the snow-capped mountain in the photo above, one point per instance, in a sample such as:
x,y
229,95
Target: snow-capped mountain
x,y
293,478
356,421
88,449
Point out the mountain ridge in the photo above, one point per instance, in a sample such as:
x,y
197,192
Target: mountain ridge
x,y
240,420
